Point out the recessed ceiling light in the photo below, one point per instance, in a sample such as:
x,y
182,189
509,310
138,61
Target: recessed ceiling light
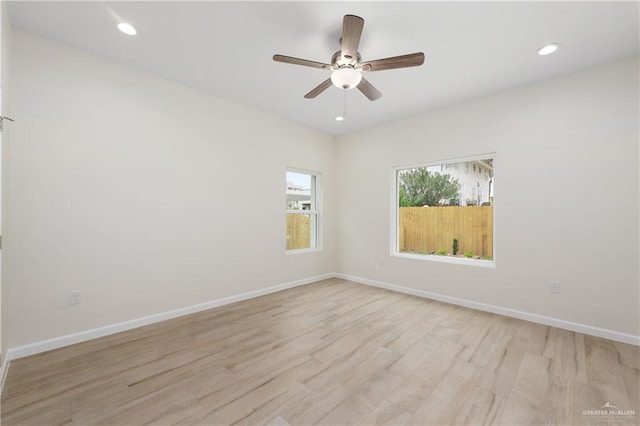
x,y
126,28
339,118
548,49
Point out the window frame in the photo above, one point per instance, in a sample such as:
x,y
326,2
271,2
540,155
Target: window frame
x,y
314,213
395,225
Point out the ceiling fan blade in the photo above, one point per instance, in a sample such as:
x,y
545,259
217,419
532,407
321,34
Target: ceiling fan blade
x,y
403,61
351,31
319,89
368,90
303,62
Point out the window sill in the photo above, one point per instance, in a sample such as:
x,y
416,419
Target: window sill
x,y
448,259
301,251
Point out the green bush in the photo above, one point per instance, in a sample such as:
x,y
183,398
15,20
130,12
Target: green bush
x,y
441,252
468,254
455,246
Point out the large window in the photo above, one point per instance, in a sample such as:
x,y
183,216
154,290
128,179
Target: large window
x,y
444,211
303,210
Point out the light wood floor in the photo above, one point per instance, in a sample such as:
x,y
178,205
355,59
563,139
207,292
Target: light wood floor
x,y
331,353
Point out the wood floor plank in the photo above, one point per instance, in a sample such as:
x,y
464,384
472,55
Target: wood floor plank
x,y
243,406
55,410
566,401
72,379
482,407
454,325
331,353
270,412
604,373
364,399
569,361
500,373
478,325
333,392
448,397
631,378
97,400
387,413
541,339
627,355
172,404
339,368
409,337
415,355
494,339
244,383
278,421
527,403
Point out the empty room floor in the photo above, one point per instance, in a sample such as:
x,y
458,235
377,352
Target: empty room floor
x,y
332,353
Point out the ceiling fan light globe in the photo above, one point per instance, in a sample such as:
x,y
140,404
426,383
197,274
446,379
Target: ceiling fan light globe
x,y
346,78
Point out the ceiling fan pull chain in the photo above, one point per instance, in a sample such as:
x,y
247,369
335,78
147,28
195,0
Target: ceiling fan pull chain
x,y
344,104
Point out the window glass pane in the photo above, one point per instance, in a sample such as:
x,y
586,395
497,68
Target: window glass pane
x,y
302,210
299,191
446,211
301,231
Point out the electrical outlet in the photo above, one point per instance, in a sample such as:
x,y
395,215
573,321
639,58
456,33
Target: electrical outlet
x,y
554,287
74,297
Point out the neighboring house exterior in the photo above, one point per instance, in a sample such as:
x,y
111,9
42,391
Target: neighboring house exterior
x,y
298,197
475,179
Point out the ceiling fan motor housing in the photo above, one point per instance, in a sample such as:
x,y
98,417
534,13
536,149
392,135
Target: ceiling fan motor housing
x,y
339,61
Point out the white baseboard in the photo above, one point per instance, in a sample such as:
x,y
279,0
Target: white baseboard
x,y
4,368
540,319
58,342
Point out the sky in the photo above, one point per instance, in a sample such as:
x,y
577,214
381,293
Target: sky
x,y
300,179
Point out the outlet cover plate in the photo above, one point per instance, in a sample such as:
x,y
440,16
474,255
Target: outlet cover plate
x,y
74,297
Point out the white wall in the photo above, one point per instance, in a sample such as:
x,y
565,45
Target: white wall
x,y
134,191
566,201
5,108
125,186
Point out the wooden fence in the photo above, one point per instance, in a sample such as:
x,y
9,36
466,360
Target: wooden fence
x,y
429,229
298,231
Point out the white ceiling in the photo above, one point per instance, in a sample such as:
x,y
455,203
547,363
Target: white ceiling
x,y
225,48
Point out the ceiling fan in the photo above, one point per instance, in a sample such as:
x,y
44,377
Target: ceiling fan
x,y
347,66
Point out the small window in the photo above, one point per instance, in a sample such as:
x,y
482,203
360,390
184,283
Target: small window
x,y
445,215
302,210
